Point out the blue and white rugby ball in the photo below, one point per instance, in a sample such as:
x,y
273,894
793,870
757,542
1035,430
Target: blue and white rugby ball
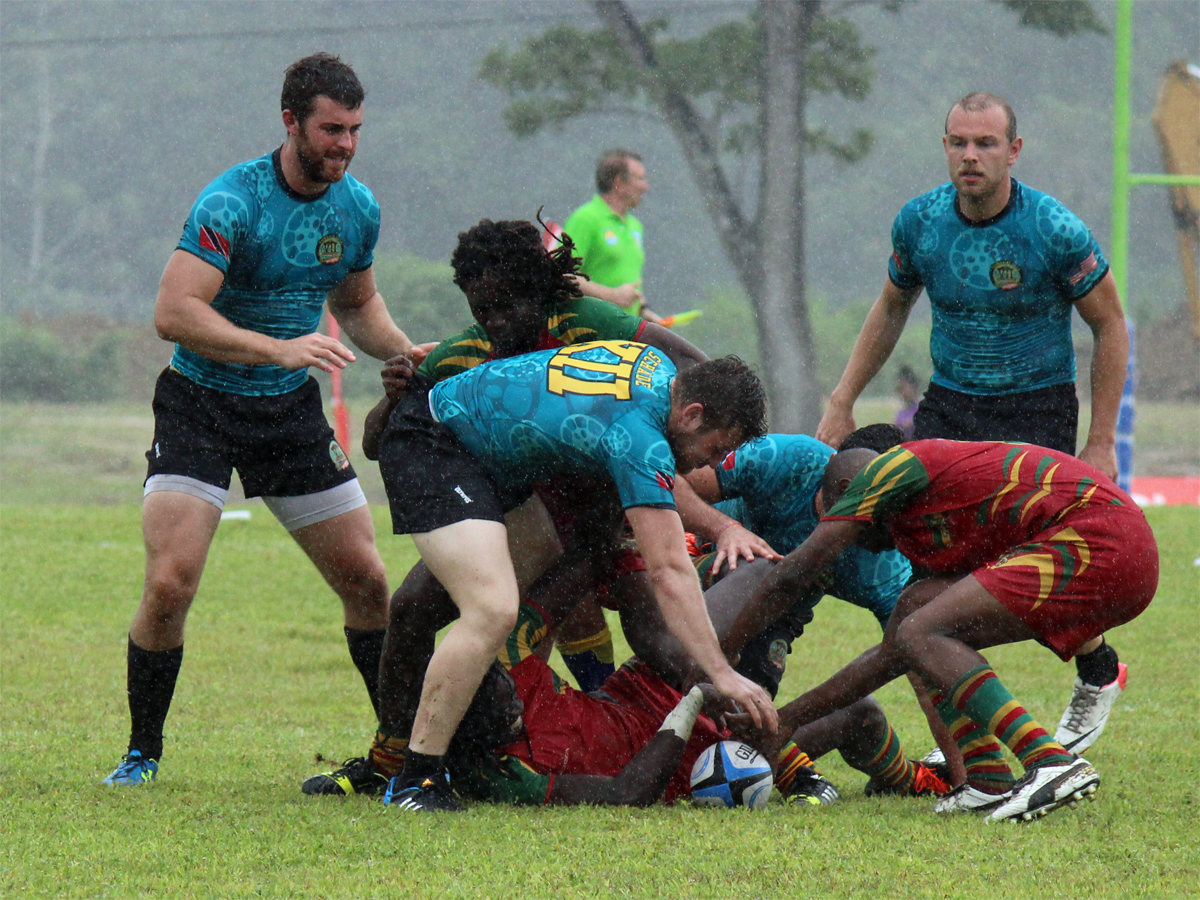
x,y
732,774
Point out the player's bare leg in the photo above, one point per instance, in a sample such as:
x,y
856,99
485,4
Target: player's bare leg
x,y
343,550
484,588
177,529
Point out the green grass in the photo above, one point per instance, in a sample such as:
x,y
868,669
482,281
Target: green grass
x,y
95,453
267,685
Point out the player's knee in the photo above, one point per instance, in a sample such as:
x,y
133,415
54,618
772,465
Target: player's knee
x,y
908,640
867,717
170,586
492,617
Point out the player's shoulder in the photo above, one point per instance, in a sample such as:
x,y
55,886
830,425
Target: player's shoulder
x,y
929,205
252,181
583,319
361,197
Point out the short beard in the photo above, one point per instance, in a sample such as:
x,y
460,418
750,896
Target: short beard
x,y
314,167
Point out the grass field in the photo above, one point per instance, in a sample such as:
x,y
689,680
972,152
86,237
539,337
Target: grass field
x,y
267,686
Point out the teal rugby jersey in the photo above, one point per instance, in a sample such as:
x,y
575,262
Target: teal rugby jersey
x,y
1001,290
592,408
769,486
281,254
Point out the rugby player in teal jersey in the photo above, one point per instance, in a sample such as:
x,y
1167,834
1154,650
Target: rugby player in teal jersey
x,y
458,456
267,244
523,298
1003,266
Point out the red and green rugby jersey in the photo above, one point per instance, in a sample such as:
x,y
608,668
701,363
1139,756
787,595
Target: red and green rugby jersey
x,y
581,319
953,506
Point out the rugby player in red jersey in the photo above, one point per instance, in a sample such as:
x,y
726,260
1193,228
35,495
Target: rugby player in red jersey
x,y
1020,543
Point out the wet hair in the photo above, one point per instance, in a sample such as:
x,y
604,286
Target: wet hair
x,y
512,251
879,437
730,392
319,75
977,101
613,164
906,373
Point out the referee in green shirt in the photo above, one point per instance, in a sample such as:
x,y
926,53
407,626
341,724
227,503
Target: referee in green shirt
x,y
608,238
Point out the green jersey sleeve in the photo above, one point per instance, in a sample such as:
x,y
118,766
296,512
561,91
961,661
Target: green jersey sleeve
x,y
588,319
531,629
456,354
515,782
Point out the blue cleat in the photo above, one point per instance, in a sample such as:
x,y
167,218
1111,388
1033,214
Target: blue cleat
x,y
134,769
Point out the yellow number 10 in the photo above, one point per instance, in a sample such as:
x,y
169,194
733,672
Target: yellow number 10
x,y
560,382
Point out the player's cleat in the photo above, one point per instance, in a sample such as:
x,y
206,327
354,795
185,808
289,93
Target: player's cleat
x,y
965,798
431,795
934,758
1047,788
1087,713
354,776
927,782
811,787
134,769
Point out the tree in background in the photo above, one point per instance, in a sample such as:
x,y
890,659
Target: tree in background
x,y
733,95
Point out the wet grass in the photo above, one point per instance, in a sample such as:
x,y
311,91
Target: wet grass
x,y
267,685
95,453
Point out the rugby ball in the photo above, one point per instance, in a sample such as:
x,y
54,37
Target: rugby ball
x,y
732,774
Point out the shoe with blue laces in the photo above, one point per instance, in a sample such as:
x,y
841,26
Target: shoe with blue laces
x,y
134,769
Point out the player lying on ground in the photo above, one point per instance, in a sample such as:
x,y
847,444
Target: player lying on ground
x,y
562,723
1021,543
531,738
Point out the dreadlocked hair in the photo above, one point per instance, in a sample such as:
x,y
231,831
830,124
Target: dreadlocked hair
x,y
512,252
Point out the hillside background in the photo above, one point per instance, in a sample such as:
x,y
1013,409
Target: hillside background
x,y
117,114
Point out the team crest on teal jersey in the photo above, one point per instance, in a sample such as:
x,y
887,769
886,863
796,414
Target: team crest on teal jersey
x,y
329,250
1006,275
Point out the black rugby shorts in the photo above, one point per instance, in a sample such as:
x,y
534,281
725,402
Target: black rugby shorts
x,y
1048,417
431,479
281,445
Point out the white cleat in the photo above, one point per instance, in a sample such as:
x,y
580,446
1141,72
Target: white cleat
x,y
965,798
1046,789
1087,713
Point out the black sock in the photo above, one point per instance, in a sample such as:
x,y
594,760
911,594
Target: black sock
x,y
419,766
150,685
1098,667
365,649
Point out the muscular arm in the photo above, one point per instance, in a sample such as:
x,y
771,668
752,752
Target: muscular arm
x,y
360,310
693,495
660,539
875,343
1100,308
184,314
786,581
680,351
